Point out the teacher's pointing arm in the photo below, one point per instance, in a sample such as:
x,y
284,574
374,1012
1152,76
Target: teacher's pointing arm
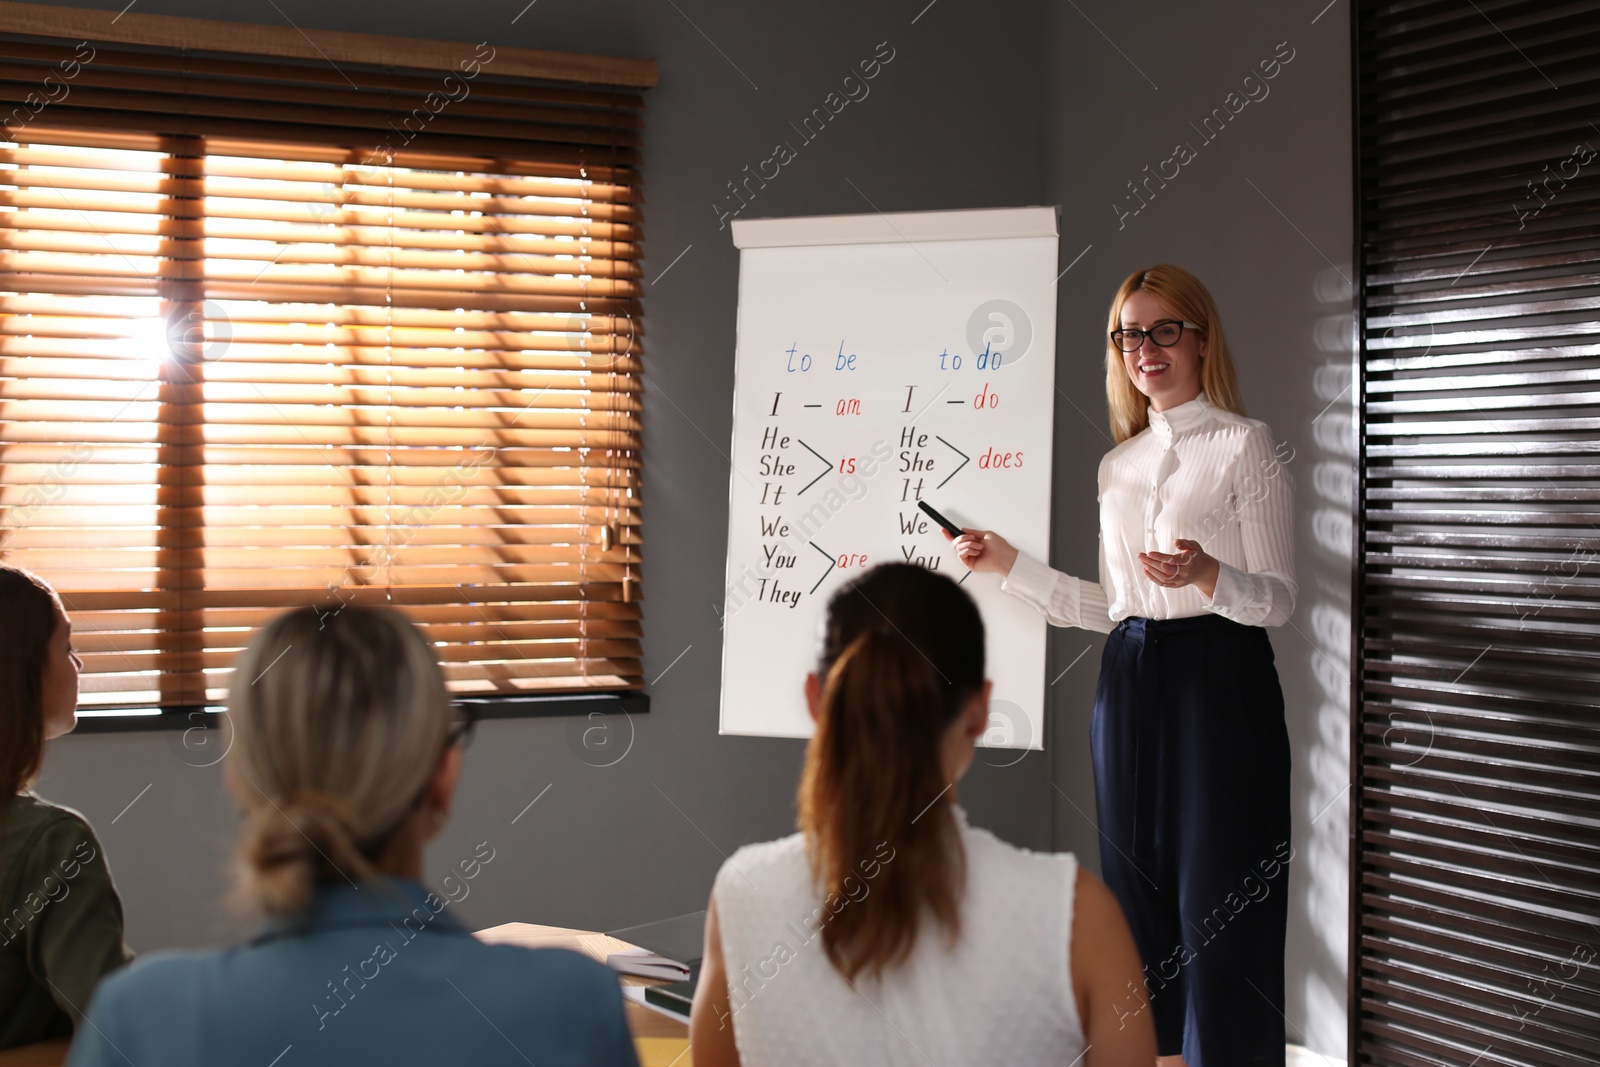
x,y
1063,599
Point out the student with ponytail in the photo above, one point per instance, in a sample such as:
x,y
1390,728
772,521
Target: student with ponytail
x,y
345,755
60,918
889,930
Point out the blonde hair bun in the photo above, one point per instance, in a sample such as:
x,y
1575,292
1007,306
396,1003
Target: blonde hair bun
x,y
339,720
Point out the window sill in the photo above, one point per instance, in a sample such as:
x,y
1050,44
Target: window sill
x,y
499,706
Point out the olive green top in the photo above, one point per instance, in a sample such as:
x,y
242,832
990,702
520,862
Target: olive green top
x,y
60,920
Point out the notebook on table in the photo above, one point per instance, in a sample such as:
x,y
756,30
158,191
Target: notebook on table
x,y
668,949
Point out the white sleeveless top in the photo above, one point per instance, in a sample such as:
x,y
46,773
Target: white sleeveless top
x,y
1003,994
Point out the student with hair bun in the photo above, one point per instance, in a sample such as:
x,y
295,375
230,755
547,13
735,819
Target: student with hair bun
x,y
60,918
889,930
345,758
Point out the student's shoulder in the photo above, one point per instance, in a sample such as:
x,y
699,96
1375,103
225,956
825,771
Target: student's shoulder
x,y
782,854
540,984
31,813
52,833
147,987
985,849
1099,929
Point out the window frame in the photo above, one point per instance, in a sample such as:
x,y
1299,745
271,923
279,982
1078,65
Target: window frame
x,y
283,42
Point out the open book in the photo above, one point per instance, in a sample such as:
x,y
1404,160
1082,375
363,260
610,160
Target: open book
x,y
642,963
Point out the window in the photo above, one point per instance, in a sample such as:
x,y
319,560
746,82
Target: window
x,y
280,331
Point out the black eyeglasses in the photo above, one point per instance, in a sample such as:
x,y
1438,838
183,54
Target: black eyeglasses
x,y
1164,334
461,730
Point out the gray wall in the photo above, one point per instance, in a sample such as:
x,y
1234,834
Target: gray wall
x,y
991,105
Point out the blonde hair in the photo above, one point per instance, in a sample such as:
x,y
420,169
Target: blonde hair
x,y
1186,297
338,722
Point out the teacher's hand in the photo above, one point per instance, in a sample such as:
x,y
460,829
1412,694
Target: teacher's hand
x,y
983,550
1190,565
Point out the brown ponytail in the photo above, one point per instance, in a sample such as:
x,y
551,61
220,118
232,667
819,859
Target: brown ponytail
x,y
902,655
339,719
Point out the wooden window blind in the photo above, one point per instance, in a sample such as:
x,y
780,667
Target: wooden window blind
x,y
279,331
1476,760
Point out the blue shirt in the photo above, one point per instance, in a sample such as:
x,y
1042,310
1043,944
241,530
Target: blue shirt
x,y
379,974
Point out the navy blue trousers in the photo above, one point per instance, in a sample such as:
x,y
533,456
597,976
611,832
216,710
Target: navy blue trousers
x,y
1191,774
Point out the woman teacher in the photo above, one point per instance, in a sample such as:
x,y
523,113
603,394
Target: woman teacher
x,y
1190,751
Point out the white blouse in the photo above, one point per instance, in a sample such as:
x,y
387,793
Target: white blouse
x,y
1196,472
1003,993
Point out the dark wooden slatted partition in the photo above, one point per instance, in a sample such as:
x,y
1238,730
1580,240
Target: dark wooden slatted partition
x,y
1476,747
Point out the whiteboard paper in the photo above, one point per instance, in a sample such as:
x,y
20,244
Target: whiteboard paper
x,y
883,359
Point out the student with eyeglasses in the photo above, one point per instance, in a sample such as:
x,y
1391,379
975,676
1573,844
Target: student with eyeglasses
x,y
1188,740
345,755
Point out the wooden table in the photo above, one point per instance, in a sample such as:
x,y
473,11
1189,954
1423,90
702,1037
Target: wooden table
x,y
661,1041
44,1054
